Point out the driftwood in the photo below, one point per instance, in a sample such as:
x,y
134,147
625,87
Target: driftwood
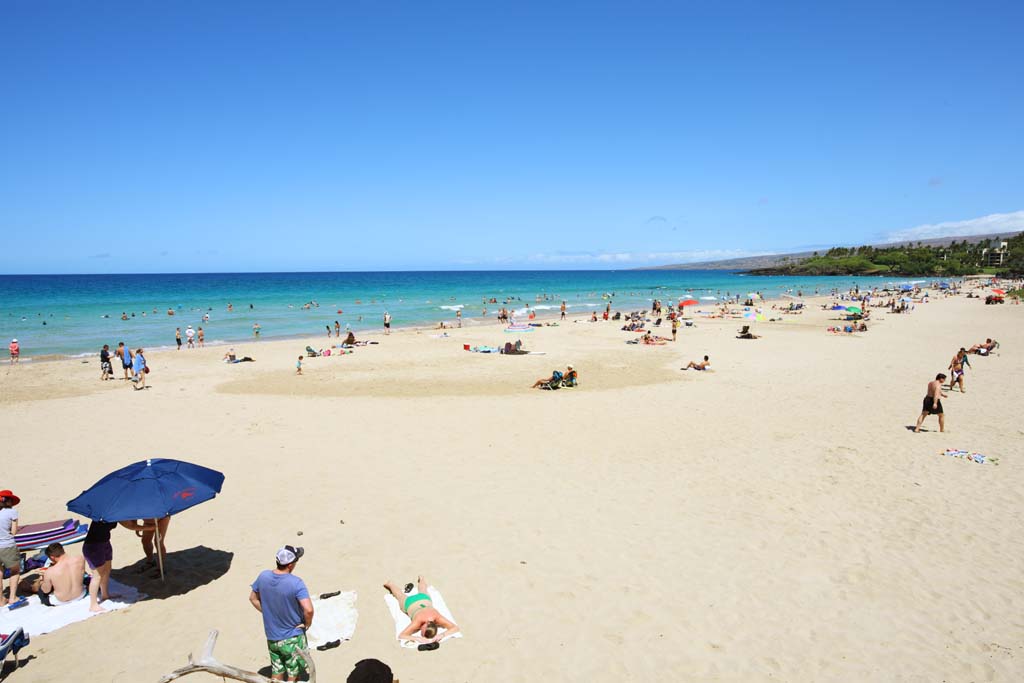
x,y
208,663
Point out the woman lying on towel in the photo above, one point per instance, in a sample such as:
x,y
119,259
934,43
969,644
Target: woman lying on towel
x,y
424,617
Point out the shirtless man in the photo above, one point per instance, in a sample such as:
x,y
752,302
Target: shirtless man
x,y
956,366
983,349
425,619
932,404
703,365
63,582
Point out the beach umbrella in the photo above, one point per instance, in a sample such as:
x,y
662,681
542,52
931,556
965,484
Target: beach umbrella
x,y
756,317
686,302
854,309
999,291
148,489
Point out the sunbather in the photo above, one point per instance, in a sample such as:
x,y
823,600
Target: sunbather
x,y
425,619
63,582
703,365
984,349
556,376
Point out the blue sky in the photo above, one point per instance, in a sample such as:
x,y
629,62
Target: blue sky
x,y
224,136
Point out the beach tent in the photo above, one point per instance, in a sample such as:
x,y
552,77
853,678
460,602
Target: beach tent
x,y
149,489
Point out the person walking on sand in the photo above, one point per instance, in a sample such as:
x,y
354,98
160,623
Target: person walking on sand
x,y
200,337
10,559
956,366
675,328
932,404
283,600
562,317
139,370
387,323
15,351
190,337
423,616
177,337
125,354
298,366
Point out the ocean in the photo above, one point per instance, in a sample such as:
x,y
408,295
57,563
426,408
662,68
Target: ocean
x,y
71,315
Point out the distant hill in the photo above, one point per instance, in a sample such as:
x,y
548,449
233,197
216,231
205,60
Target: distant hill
x,y
773,260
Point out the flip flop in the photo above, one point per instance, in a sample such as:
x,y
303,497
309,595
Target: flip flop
x,y
328,646
408,588
428,646
324,596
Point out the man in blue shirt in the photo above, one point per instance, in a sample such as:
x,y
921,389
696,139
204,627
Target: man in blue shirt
x,y
287,611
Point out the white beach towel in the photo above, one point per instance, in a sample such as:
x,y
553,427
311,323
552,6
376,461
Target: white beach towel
x,y
333,619
402,619
37,619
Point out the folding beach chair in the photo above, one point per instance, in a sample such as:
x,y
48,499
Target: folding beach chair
x,y
10,644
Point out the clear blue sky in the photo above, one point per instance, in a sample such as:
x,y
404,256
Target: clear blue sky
x,y
227,136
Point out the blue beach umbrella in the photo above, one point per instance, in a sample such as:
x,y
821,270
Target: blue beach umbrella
x,y
149,489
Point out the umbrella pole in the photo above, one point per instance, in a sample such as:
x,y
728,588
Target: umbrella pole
x,y
159,555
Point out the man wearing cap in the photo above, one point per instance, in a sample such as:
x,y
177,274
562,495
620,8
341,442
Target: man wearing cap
x,y
9,557
15,351
287,611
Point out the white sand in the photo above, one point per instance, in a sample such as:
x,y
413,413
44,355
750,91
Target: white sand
x,y
772,520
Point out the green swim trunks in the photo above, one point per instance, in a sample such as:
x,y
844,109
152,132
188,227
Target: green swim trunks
x,y
414,598
285,657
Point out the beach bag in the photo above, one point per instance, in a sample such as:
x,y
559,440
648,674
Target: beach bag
x,y
556,376
146,369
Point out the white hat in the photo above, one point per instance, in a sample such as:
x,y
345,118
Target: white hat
x,y
14,341
289,554
570,367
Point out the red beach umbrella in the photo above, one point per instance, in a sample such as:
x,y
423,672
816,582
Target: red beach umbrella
x,y
999,291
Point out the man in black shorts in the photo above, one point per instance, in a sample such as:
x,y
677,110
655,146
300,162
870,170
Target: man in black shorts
x,y
125,354
105,363
932,404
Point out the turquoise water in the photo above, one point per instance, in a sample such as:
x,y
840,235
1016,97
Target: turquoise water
x,y
77,314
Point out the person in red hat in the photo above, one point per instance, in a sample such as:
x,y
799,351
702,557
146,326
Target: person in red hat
x,y
9,557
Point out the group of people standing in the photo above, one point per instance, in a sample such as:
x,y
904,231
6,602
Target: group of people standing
x,y
192,337
133,364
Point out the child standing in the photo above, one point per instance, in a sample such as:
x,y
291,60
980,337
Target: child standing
x,y
298,366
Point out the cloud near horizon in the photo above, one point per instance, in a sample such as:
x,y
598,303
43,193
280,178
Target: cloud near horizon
x,y
634,259
985,225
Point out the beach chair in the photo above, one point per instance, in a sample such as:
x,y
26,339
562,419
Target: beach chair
x,y
555,382
570,379
311,353
11,643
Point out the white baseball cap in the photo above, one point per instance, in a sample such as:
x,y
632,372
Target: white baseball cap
x,y
289,554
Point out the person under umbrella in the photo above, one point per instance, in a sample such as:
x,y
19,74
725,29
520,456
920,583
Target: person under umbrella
x,y
148,490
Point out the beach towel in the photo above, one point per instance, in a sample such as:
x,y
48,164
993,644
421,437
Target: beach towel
x,y
402,620
979,458
333,619
36,618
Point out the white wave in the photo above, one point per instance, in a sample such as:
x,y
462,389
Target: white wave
x,y
457,307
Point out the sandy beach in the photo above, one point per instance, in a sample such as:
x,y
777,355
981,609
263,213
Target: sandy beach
x,y
772,520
